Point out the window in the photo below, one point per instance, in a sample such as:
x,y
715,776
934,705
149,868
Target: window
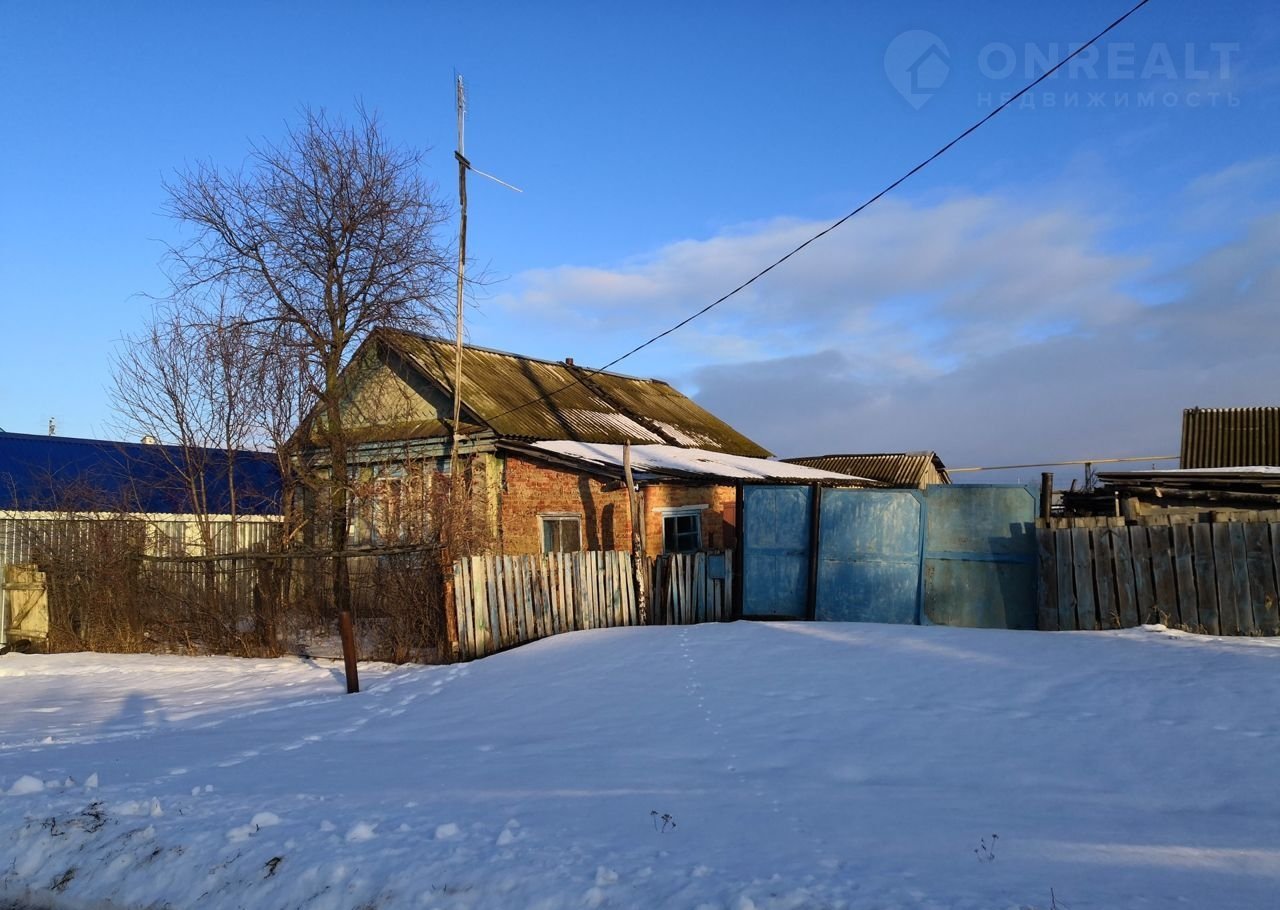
x,y
376,509
561,533
681,532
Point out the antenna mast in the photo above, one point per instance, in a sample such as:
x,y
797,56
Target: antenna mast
x,y
460,101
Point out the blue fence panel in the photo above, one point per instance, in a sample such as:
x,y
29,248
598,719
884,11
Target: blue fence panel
x,y
869,556
980,556
775,551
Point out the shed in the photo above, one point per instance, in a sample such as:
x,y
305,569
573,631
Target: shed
x,y
1230,437
901,470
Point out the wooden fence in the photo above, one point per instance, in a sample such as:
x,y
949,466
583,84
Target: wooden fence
x,y
504,601
690,588
1221,578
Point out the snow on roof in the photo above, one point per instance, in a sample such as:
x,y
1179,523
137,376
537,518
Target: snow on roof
x,y
1253,469
658,460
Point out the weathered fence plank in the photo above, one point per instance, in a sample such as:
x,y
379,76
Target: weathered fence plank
x,y
1185,573
1086,605
1067,620
459,605
1262,585
1104,578
1240,579
1206,579
1144,587
1227,618
1126,590
1165,608
1275,558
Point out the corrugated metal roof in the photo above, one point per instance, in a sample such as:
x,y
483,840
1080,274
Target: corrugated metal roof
x,y
1230,437
656,462
904,470
569,402
43,473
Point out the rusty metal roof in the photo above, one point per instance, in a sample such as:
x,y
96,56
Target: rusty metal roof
x,y
527,398
1230,437
903,469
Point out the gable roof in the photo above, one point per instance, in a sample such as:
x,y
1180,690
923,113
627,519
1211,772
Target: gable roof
x,y
903,469
519,397
55,473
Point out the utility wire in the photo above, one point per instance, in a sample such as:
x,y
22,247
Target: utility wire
x,y
827,230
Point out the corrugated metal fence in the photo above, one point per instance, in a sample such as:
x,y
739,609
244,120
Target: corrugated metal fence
x,y
504,601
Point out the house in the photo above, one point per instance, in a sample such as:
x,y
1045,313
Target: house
x,y
50,474
58,493
541,443
904,470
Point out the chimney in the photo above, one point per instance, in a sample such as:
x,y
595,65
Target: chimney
x,y
569,360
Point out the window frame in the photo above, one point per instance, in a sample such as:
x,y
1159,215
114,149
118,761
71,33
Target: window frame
x,y
674,514
547,519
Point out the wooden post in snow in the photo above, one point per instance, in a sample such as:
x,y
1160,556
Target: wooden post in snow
x,y
347,632
640,567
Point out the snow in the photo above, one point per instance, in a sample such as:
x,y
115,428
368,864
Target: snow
x,y
361,832
660,459
25,785
447,831
765,765
1253,469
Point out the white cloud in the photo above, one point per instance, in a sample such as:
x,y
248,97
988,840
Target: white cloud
x,y
994,329
1113,392
913,289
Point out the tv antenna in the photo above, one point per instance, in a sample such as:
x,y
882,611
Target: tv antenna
x,y
460,100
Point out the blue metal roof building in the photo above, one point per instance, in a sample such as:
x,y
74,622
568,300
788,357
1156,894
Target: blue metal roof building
x,y
56,473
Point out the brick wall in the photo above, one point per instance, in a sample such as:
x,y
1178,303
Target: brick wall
x,y
719,519
530,489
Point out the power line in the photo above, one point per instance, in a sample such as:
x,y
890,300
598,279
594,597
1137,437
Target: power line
x,y
1080,461
827,230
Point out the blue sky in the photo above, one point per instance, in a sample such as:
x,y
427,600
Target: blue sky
x,y
1060,285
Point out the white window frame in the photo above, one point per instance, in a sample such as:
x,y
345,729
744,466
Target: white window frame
x,y
679,512
545,517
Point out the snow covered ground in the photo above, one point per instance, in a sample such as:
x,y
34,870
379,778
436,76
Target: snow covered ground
x,y
730,766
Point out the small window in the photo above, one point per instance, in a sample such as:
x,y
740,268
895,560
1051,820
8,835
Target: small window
x,y
561,533
682,532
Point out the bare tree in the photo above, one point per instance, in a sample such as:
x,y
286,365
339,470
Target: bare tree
x,y
186,381
319,239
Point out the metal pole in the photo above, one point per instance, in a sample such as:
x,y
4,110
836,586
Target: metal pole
x,y
463,164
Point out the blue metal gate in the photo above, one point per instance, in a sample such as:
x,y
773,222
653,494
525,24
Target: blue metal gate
x,y
869,556
775,551
980,556
960,555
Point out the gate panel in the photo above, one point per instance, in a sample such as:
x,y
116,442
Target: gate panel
x,y
775,551
869,568
980,556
